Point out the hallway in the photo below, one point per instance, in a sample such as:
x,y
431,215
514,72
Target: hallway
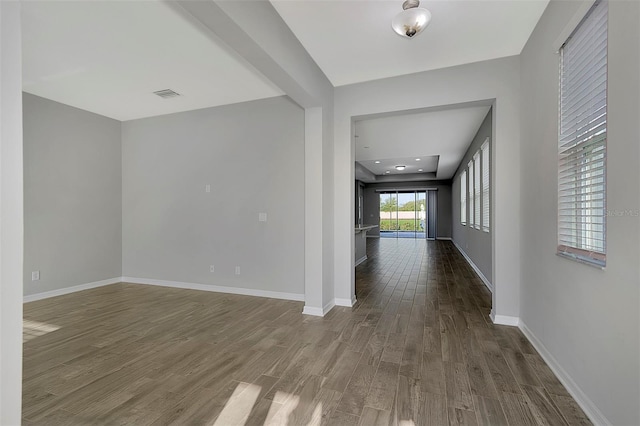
x,y
418,348
449,362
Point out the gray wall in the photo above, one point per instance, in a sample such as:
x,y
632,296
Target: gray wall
x,y
474,242
252,155
72,196
372,203
586,318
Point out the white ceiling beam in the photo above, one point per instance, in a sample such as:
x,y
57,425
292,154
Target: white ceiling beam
x,y
255,30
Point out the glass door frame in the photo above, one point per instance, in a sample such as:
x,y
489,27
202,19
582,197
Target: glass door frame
x,y
391,200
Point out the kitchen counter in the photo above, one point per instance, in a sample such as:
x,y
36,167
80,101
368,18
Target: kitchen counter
x,y
361,242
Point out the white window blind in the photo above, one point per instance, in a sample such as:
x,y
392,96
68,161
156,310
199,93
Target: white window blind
x,y
470,174
582,140
476,190
485,185
463,197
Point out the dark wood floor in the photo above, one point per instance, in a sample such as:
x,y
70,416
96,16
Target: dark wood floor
x,y
418,348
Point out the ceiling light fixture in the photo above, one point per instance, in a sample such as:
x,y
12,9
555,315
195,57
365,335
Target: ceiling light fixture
x,y
400,168
419,170
417,159
412,20
377,162
387,171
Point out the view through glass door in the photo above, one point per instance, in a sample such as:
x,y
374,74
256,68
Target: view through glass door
x,y
403,214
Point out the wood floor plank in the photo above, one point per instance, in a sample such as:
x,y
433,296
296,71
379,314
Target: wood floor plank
x,y
339,376
354,395
570,410
432,378
374,417
501,373
517,410
458,389
520,368
545,409
433,410
451,347
480,377
393,348
412,353
408,399
546,376
431,340
458,417
489,411
383,387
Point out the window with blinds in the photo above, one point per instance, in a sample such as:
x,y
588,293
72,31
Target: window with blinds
x,y
471,198
582,140
484,149
476,190
463,197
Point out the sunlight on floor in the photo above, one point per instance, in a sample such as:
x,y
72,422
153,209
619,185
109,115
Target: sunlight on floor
x,y
243,400
237,409
32,329
406,423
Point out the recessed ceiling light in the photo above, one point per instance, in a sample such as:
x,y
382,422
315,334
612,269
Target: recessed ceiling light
x,y
377,162
387,171
419,170
400,168
417,159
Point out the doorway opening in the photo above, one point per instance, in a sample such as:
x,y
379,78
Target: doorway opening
x,y
408,214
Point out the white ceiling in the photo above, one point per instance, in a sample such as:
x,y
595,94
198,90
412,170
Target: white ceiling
x,y
108,57
352,40
400,139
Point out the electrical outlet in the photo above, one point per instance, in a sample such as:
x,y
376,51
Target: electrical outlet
x,y
35,276
211,268
237,270
262,217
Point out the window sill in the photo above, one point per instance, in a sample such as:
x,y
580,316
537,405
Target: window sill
x,y
577,259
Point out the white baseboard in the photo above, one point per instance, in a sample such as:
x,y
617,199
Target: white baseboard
x,y
362,259
504,319
216,288
346,302
373,236
319,312
474,267
67,290
589,408
310,310
444,238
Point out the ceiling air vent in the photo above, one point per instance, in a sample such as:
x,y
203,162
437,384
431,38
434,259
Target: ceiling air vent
x,y
166,93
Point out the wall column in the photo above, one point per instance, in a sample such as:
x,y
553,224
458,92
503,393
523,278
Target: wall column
x,y
11,214
313,271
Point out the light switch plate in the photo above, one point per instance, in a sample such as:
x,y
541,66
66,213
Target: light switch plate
x,y
262,217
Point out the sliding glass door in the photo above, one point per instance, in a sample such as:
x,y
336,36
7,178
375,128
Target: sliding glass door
x,y
403,214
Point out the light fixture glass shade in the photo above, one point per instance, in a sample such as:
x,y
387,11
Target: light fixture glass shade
x,y
400,168
411,22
